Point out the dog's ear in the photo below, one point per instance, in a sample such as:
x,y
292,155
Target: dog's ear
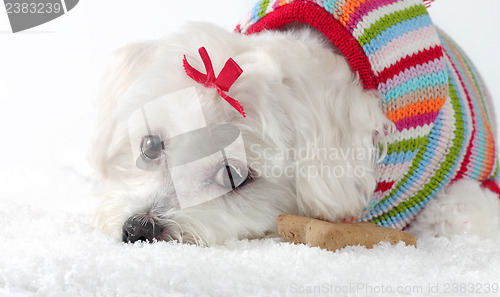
x,y
336,178
121,72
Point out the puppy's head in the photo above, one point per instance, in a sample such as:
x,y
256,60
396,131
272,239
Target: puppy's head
x,y
180,163
146,193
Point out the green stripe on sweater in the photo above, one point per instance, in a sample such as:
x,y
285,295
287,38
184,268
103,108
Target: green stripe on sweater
x,y
390,20
412,144
263,7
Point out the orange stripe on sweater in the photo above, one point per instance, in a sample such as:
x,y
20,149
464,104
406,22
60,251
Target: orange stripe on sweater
x,y
348,9
417,108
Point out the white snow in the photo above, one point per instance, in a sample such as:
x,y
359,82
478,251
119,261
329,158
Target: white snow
x,y
49,247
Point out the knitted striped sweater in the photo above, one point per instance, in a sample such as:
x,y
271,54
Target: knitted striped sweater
x,y
429,89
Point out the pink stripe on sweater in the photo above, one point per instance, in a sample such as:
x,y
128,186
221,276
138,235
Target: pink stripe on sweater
x,y
408,74
391,172
276,4
418,120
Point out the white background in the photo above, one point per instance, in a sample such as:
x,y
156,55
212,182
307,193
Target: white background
x,y
49,75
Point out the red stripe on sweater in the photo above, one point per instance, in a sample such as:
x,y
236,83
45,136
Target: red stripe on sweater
x,y
425,56
384,186
316,16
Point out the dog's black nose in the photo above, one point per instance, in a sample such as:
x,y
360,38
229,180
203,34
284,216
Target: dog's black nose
x,y
140,230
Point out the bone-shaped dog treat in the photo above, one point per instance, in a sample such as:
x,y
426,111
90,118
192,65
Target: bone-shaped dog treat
x,y
334,236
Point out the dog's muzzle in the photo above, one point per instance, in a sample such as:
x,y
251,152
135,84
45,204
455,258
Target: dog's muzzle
x,y
139,230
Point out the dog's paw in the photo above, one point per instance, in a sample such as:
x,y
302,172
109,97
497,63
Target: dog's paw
x,y
462,208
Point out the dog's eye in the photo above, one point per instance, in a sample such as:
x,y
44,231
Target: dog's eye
x,y
231,177
152,147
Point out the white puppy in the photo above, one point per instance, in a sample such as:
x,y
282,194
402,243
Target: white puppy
x,y
302,102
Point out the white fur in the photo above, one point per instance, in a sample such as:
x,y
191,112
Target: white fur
x,y
462,208
299,96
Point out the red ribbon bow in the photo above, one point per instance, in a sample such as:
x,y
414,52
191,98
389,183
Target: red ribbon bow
x,y
227,76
